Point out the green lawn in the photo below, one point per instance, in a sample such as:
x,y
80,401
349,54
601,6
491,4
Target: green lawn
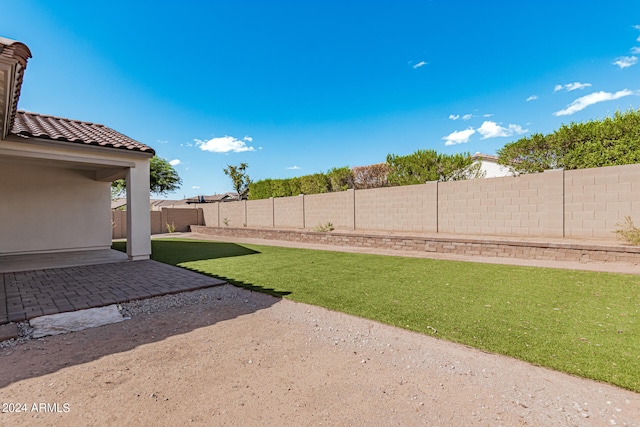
x,y
583,323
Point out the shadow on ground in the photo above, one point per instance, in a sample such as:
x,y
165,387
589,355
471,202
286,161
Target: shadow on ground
x,y
48,355
176,251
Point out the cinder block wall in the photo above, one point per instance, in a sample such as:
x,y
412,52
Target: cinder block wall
x,y
526,205
119,224
210,213
597,199
260,213
157,226
336,208
289,212
587,203
232,214
180,218
406,208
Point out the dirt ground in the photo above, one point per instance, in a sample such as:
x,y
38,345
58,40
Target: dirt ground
x,y
250,359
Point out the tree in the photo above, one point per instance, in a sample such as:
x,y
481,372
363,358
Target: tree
x,y
340,179
427,165
239,178
371,176
595,143
163,179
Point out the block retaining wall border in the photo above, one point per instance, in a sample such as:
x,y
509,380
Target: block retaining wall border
x,y
463,246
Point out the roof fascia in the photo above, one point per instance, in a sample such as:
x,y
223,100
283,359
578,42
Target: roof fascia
x,y
76,146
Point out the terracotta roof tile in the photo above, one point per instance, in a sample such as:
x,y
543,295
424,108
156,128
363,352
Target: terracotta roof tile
x,y
20,53
74,131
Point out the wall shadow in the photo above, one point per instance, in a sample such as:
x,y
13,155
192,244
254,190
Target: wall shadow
x,y
176,251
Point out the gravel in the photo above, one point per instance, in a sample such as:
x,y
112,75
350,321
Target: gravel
x,y
147,306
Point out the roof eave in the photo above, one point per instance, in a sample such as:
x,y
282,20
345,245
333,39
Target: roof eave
x,y
13,61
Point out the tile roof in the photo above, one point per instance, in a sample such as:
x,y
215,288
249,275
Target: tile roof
x,y
17,53
74,131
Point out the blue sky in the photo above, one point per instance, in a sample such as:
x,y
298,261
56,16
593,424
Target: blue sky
x,y
298,87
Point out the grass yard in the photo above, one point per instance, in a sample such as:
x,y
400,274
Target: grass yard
x,y
583,323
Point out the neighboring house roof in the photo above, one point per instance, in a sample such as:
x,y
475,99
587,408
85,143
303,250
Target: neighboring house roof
x,y
67,130
226,197
158,204
154,204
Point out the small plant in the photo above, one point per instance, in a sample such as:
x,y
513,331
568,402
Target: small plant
x,y
171,228
324,228
226,221
628,231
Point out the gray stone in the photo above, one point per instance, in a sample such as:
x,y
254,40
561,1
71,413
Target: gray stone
x,y
8,332
75,321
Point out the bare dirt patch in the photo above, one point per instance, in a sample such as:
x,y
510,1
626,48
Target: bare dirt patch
x,y
237,357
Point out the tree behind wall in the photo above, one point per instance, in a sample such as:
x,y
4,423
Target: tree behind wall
x,y
595,143
427,165
239,178
163,179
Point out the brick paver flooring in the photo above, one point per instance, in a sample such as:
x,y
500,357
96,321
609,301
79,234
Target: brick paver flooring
x,y
28,294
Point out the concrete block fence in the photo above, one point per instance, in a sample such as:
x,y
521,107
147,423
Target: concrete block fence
x,y
586,203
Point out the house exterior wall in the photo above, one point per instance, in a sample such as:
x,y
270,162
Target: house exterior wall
x,y
52,209
55,196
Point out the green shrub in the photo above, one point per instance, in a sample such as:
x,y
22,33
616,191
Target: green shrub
x,y
628,231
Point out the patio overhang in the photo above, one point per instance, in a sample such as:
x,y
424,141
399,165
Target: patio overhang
x,y
100,164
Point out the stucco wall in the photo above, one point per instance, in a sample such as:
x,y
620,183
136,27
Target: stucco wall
x,y
52,209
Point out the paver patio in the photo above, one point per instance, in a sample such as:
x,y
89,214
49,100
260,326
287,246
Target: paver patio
x,y
28,294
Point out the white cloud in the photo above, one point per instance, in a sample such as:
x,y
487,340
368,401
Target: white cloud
x,y
490,129
294,168
162,141
625,61
419,64
454,116
195,187
487,115
517,129
459,137
571,86
593,98
532,98
637,27
635,49
175,162
467,116
223,144
248,138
